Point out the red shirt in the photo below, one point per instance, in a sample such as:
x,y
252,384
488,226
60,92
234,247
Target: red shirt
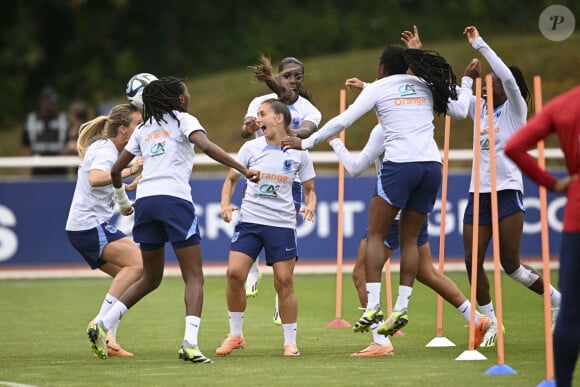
x,y
561,115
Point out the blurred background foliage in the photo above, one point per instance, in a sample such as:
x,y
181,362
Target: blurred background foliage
x,y
88,49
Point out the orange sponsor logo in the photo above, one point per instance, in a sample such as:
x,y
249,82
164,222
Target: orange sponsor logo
x,y
157,135
410,101
273,176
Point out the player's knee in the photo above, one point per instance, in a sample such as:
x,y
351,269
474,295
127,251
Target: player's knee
x,y
524,276
234,275
152,282
424,276
283,283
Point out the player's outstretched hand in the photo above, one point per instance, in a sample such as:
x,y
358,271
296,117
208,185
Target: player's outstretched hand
x,y
473,69
252,175
411,39
291,142
472,33
250,125
353,82
137,166
307,214
227,212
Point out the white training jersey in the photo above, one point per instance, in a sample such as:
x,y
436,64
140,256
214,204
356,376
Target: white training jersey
x,y
92,206
167,155
301,110
404,106
371,153
270,201
507,119
374,150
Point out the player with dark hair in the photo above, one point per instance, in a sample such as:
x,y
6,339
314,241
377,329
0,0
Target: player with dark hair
x,y
426,274
267,221
165,140
101,244
373,152
561,116
411,171
510,95
287,85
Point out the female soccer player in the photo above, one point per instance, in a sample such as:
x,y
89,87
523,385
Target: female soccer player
x,y
562,116
411,171
305,120
267,221
510,93
356,165
101,244
164,209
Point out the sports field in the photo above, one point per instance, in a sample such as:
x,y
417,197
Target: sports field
x,y
42,325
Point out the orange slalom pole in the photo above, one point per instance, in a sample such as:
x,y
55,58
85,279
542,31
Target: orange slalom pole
x,y
339,321
545,243
443,216
495,221
475,237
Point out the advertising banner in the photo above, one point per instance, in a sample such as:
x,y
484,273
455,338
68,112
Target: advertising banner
x,y
33,216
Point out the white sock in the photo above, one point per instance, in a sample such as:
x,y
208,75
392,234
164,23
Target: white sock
x,y
114,315
107,304
465,310
374,294
236,323
379,339
403,298
555,296
191,329
489,311
255,269
289,333
113,330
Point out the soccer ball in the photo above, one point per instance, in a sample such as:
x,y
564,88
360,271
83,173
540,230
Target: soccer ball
x,y
135,88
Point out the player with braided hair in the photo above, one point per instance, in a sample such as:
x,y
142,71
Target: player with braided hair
x,y
164,210
410,175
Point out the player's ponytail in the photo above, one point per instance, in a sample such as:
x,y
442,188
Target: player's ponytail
x,y
104,126
89,132
263,73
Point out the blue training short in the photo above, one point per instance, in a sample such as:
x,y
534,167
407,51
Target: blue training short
x,y
392,241
91,243
509,202
413,186
162,218
279,243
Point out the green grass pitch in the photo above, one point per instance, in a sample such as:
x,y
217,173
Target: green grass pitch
x,y
42,326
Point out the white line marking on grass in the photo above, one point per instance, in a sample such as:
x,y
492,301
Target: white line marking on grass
x,y
12,384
